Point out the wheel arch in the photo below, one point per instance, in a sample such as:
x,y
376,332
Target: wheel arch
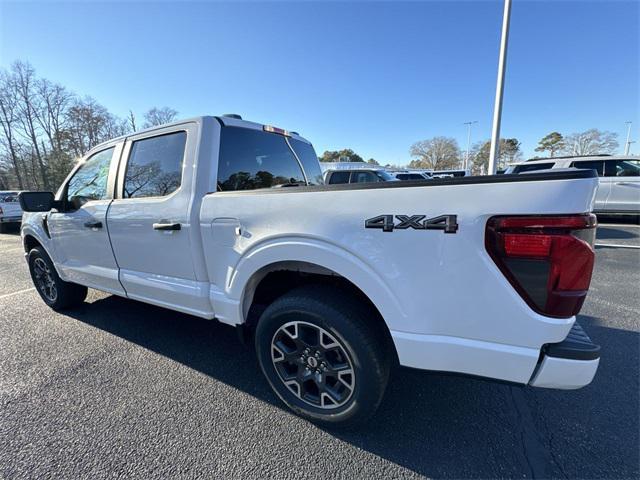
x,y
309,261
32,238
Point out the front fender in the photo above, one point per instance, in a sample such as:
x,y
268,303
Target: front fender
x,y
319,253
32,226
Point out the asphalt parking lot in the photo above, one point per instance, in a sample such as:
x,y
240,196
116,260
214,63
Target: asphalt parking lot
x,y
117,388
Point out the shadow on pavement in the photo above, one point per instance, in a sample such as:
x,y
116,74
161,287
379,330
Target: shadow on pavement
x,y
609,233
436,425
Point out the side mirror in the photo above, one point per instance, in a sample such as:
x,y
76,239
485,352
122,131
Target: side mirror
x,y
36,201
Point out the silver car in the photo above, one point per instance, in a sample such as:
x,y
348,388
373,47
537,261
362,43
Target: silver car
x,y
10,211
619,190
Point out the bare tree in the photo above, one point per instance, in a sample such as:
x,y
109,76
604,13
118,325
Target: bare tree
x,y
23,76
159,116
8,119
88,124
437,153
54,102
132,121
44,127
590,142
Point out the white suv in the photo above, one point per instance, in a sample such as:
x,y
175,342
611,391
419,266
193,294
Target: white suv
x,y
619,190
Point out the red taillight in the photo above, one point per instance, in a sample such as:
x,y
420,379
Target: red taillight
x,y
547,259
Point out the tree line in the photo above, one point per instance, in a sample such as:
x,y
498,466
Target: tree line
x,y
45,128
444,153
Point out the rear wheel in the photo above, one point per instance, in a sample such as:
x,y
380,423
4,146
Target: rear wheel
x,y
323,355
55,292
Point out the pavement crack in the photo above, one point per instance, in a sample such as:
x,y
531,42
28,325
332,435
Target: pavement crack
x,y
549,439
534,450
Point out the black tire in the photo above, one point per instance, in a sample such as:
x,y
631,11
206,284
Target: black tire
x,y
363,348
3,227
56,293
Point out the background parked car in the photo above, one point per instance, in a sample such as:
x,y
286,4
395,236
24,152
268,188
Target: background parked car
x,y
619,190
354,172
10,211
450,173
411,175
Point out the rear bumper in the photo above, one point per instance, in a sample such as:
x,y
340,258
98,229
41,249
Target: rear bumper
x,y
13,219
569,364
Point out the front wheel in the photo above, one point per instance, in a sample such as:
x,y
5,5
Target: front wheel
x,y
323,355
55,292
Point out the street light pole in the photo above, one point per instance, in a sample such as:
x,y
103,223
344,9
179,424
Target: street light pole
x,y
627,145
497,108
466,160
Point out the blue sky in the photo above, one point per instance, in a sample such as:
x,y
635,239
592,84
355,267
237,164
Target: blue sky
x,y
372,76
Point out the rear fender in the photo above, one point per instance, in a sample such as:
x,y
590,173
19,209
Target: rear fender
x,y
319,253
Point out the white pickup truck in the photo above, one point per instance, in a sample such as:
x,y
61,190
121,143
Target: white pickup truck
x,y
229,220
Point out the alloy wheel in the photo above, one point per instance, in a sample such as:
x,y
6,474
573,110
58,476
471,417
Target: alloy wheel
x,y
313,364
44,280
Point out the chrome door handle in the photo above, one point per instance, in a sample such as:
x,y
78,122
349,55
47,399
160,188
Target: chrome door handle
x,y
93,224
167,226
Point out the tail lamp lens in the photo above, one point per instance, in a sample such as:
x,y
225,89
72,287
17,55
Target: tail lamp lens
x,y
547,259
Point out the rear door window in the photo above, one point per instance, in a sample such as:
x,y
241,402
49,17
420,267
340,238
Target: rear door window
x,y
364,177
252,159
622,168
339,177
532,167
155,166
597,165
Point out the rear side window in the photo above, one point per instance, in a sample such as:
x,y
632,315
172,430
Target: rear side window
x,y
155,166
90,180
339,177
309,160
622,168
597,165
251,159
532,168
364,177
409,176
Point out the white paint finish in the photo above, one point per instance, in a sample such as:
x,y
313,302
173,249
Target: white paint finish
x,y
453,354
143,251
84,255
624,193
424,282
168,291
564,374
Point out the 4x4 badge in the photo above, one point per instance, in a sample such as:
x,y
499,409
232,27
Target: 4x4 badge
x,y
448,223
